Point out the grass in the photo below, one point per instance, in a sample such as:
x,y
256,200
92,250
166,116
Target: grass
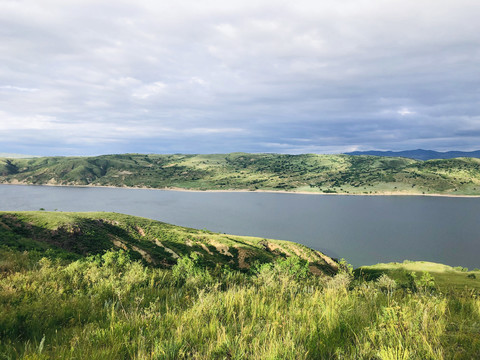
x,y
68,292
240,171
110,307
447,278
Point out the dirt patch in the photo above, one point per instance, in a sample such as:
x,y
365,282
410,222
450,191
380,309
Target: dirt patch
x,y
297,252
146,256
119,244
243,254
204,247
327,260
71,229
221,248
11,217
140,230
271,247
6,227
316,271
107,221
170,251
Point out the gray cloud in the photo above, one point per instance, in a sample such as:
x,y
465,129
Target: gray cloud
x,y
87,77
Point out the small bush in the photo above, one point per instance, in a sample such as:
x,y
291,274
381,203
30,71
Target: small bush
x,y
188,269
426,282
386,284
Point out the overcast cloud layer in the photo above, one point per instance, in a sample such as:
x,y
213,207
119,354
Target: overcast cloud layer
x,y
92,77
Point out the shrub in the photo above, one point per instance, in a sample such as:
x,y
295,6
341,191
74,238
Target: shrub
x,y
188,269
426,282
386,284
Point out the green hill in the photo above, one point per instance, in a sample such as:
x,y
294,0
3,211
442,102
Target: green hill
x,y
240,171
73,235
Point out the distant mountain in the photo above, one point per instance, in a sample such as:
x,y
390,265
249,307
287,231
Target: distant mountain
x,y
420,154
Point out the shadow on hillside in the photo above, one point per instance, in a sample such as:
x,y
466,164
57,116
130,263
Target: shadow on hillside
x,y
83,237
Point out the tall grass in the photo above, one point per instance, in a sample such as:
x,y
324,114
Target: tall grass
x,y
109,307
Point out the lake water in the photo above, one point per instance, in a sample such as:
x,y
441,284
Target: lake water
x,y
362,229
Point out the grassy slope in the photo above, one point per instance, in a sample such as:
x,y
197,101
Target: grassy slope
x,y
308,172
151,241
446,277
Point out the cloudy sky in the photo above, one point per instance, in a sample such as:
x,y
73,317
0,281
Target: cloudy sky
x,y
94,77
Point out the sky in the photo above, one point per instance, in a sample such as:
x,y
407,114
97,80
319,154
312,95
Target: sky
x,y
100,77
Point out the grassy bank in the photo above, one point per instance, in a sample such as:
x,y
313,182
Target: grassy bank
x,y
308,173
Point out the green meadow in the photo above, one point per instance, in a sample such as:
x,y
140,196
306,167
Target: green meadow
x,y
345,174
112,286
446,278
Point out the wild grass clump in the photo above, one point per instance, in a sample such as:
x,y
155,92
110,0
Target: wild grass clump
x,y
111,307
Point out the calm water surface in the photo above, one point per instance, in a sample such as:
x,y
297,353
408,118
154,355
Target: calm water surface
x,y
362,229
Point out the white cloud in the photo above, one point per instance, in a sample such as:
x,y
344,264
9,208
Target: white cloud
x,y
275,70
17,88
405,112
153,89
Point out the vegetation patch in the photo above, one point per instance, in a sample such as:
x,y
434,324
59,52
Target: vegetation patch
x,y
111,306
328,174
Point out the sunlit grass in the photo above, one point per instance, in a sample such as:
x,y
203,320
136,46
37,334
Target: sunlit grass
x,y
110,307
446,277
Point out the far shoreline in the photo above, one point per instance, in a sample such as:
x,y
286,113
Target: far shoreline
x,y
243,190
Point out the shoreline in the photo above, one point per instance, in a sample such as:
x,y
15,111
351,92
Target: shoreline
x,y
245,190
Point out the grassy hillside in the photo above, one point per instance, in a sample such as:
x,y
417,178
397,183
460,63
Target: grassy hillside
x,y
446,278
144,303
155,243
308,172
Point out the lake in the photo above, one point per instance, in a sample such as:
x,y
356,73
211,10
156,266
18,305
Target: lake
x,y
362,229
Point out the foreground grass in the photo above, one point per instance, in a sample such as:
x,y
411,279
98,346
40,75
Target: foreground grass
x,y
110,307
240,171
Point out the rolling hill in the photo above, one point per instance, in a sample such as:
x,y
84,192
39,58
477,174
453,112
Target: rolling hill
x,y
155,243
312,173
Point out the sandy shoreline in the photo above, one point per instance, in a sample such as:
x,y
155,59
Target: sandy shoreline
x,y
245,191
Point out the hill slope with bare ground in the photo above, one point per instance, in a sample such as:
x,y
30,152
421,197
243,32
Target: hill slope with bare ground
x,y
155,243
